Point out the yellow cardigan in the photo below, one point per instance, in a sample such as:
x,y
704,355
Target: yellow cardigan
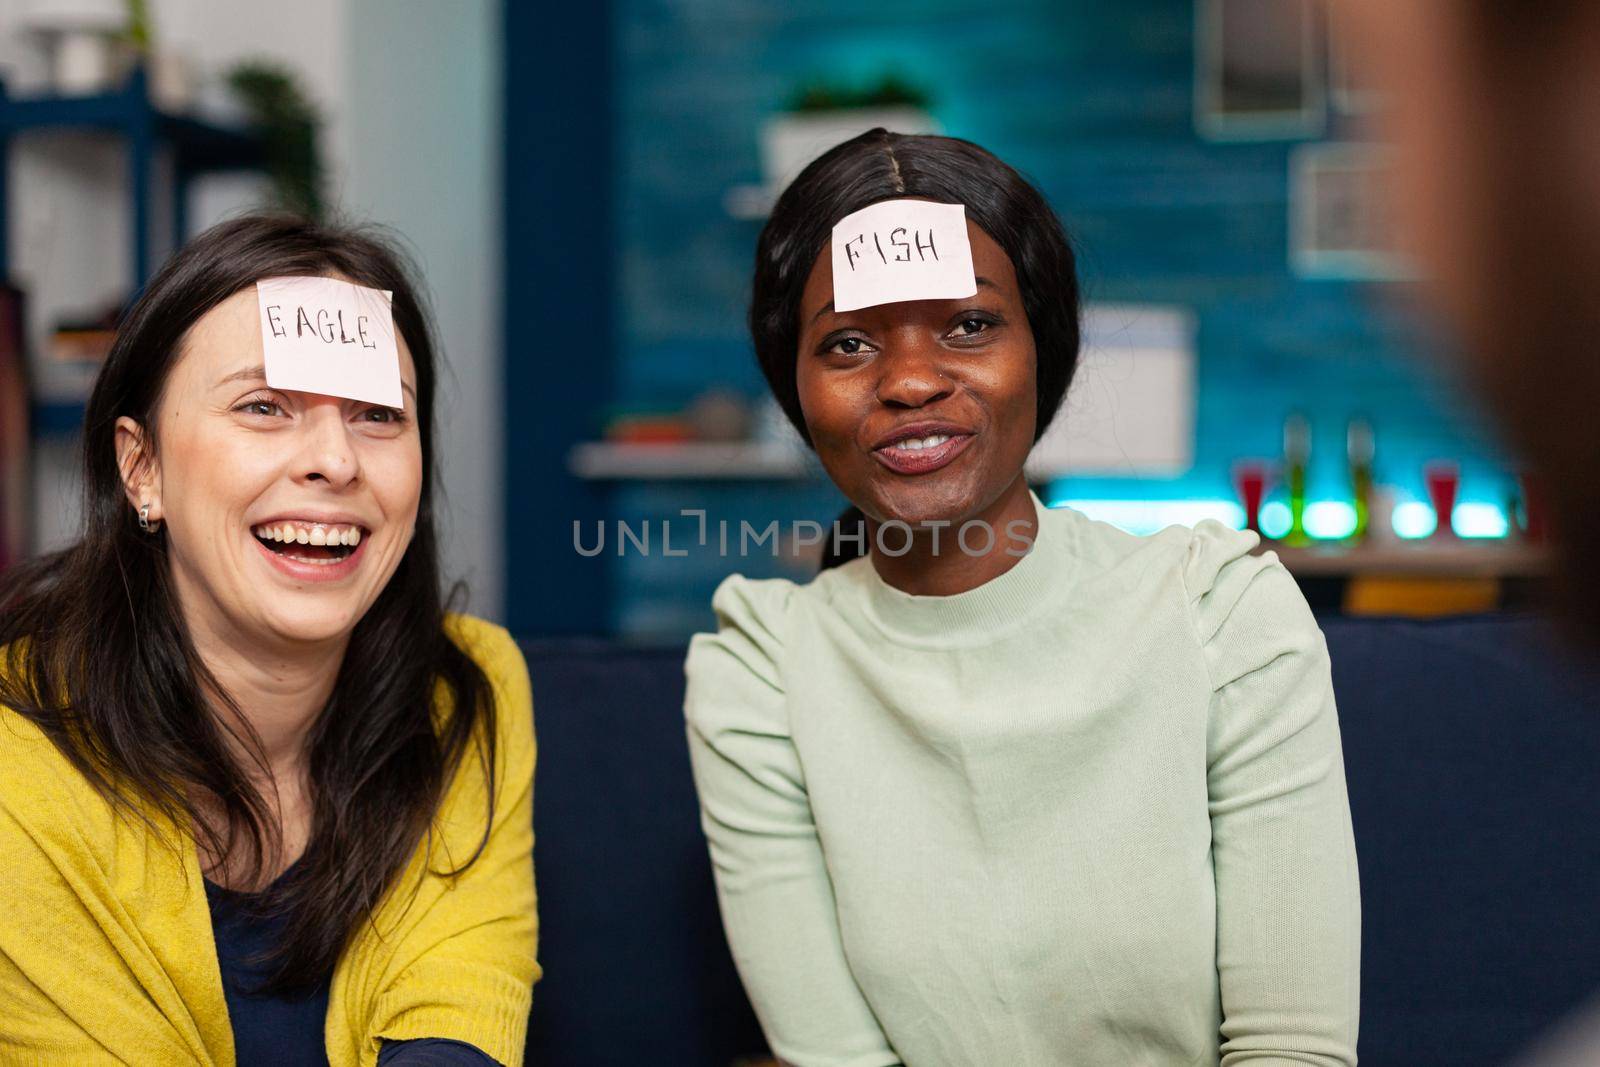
x,y
106,951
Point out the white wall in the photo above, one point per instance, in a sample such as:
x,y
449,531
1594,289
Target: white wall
x,y
421,145
409,90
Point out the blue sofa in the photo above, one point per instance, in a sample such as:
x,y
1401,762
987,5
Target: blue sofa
x,y
1472,749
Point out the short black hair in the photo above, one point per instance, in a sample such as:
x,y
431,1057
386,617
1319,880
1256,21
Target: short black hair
x,y
879,165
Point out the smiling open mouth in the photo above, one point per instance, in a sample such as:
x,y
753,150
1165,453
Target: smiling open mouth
x,y
919,455
315,543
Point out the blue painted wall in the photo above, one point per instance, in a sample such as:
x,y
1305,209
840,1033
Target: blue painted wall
x,y
1094,102
560,336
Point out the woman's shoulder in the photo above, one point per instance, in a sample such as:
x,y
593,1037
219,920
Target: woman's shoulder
x,y
1245,606
1216,558
497,654
26,750
42,793
748,645
490,645
740,601
23,747
1204,556
1221,566
752,614
1217,570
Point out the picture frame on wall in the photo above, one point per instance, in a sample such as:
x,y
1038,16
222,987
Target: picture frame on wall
x,y
1260,70
1341,223
1132,408
16,462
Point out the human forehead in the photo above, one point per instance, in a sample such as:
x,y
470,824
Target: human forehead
x,y
227,339
989,261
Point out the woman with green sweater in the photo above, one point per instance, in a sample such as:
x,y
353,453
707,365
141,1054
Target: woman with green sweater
x,y
1013,787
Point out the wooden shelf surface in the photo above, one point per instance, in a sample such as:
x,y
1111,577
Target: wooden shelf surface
x,y
1426,558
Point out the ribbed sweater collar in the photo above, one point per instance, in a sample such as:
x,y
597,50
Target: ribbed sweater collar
x,y
979,616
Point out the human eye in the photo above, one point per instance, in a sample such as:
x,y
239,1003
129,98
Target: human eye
x,y
971,325
383,416
259,405
845,345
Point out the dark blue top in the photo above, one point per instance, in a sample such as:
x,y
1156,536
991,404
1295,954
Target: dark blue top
x,y
287,1031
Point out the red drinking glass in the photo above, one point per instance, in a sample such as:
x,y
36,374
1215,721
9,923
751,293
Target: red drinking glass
x,y
1443,479
1250,482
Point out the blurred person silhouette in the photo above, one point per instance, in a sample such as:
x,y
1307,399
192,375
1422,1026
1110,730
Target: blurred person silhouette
x,y
1494,110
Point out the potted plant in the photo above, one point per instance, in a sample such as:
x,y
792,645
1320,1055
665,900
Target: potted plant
x,y
289,123
820,115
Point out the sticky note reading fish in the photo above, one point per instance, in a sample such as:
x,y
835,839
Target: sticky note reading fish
x,y
901,250
322,335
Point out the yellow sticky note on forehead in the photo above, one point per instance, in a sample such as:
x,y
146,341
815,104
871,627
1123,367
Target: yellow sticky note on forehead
x,y
322,335
901,250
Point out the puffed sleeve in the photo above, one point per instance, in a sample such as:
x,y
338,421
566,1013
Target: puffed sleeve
x,y
776,897
1288,899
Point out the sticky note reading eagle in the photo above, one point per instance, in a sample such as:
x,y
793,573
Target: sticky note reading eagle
x,y
901,250
322,335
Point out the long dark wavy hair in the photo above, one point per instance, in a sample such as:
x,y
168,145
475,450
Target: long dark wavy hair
x,y
879,165
99,656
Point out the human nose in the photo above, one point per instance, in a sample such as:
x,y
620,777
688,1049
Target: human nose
x,y
327,454
912,373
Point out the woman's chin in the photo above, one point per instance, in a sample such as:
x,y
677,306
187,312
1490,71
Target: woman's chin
x,y
945,501
312,625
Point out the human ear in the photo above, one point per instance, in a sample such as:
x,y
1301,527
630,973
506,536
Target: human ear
x,y
141,474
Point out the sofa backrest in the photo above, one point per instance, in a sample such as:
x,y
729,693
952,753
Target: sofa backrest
x,y
637,970
1472,751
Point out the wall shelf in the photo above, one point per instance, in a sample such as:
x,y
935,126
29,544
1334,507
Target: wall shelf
x,y
1424,558
691,461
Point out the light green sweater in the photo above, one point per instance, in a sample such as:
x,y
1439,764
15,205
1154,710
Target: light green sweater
x,y
1092,812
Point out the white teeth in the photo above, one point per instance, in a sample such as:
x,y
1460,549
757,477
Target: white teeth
x,y
290,533
917,444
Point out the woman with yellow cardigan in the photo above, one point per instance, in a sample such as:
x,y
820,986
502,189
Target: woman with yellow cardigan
x,y
263,800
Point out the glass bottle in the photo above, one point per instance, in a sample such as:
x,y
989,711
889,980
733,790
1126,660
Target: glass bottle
x,y
1359,449
1296,464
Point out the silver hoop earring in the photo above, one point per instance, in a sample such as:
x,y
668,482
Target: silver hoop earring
x,y
144,518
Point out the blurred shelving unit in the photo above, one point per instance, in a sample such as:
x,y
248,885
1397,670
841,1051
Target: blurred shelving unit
x,y
691,461
183,146
197,147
